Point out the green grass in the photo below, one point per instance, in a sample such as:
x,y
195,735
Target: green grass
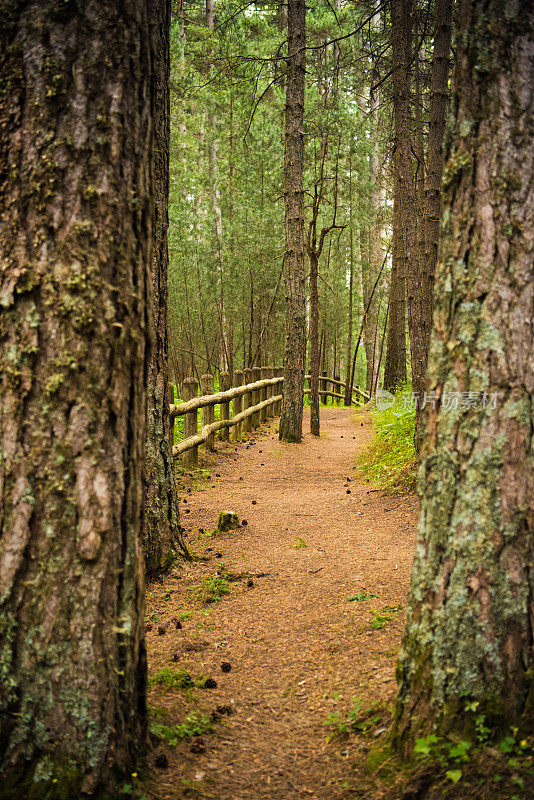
x,y
390,461
193,725
211,589
360,596
172,678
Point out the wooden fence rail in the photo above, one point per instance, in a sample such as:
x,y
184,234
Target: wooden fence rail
x,y
323,379
253,402
247,407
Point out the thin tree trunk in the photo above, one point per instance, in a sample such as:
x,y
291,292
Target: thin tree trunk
x,y
439,94
314,345
404,264
377,380
395,366
290,428
348,399
469,630
76,253
162,540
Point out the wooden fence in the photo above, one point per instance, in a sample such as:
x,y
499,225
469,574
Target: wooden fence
x,y
255,397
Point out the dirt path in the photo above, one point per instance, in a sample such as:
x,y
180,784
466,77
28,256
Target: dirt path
x,y
299,650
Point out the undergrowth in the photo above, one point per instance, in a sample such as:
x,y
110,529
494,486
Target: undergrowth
x,y
390,461
194,725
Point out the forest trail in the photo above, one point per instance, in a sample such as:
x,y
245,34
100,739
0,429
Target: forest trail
x,y
299,650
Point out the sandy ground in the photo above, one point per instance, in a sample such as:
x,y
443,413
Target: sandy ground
x,y
298,649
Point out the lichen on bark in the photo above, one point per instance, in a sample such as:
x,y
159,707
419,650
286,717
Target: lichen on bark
x,y
469,630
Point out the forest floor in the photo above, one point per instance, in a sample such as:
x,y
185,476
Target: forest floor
x,y
306,630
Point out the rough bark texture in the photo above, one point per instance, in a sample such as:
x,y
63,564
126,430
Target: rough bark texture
x,y
429,224
162,540
347,399
314,343
395,366
405,251
469,632
439,96
290,429
75,248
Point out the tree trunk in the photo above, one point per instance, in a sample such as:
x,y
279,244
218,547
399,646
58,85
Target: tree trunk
x,y
469,629
348,399
439,94
75,246
404,195
290,428
395,366
162,533
314,345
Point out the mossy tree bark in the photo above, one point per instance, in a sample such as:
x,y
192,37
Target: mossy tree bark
x,y
290,428
162,533
75,245
469,631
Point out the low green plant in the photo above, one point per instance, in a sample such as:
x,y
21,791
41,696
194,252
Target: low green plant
x,y
215,586
359,719
133,791
172,678
299,544
360,596
389,461
194,725
452,755
385,615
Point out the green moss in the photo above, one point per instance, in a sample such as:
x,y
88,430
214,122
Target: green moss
x,y
458,162
378,755
54,383
227,521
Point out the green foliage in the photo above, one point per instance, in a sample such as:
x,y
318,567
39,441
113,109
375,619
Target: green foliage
x,y
453,756
385,615
359,719
211,589
390,461
172,678
226,212
300,544
195,724
361,596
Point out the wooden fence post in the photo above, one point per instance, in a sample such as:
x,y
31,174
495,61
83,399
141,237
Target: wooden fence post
x,y
270,392
337,389
237,404
224,384
247,401
190,390
264,373
278,389
207,414
170,402
256,376
323,395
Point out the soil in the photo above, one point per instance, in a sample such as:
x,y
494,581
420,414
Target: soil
x,y
289,653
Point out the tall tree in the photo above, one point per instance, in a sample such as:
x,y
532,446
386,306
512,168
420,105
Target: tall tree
x,y
290,429
439,96
468,638
75,247
162,533
404,229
